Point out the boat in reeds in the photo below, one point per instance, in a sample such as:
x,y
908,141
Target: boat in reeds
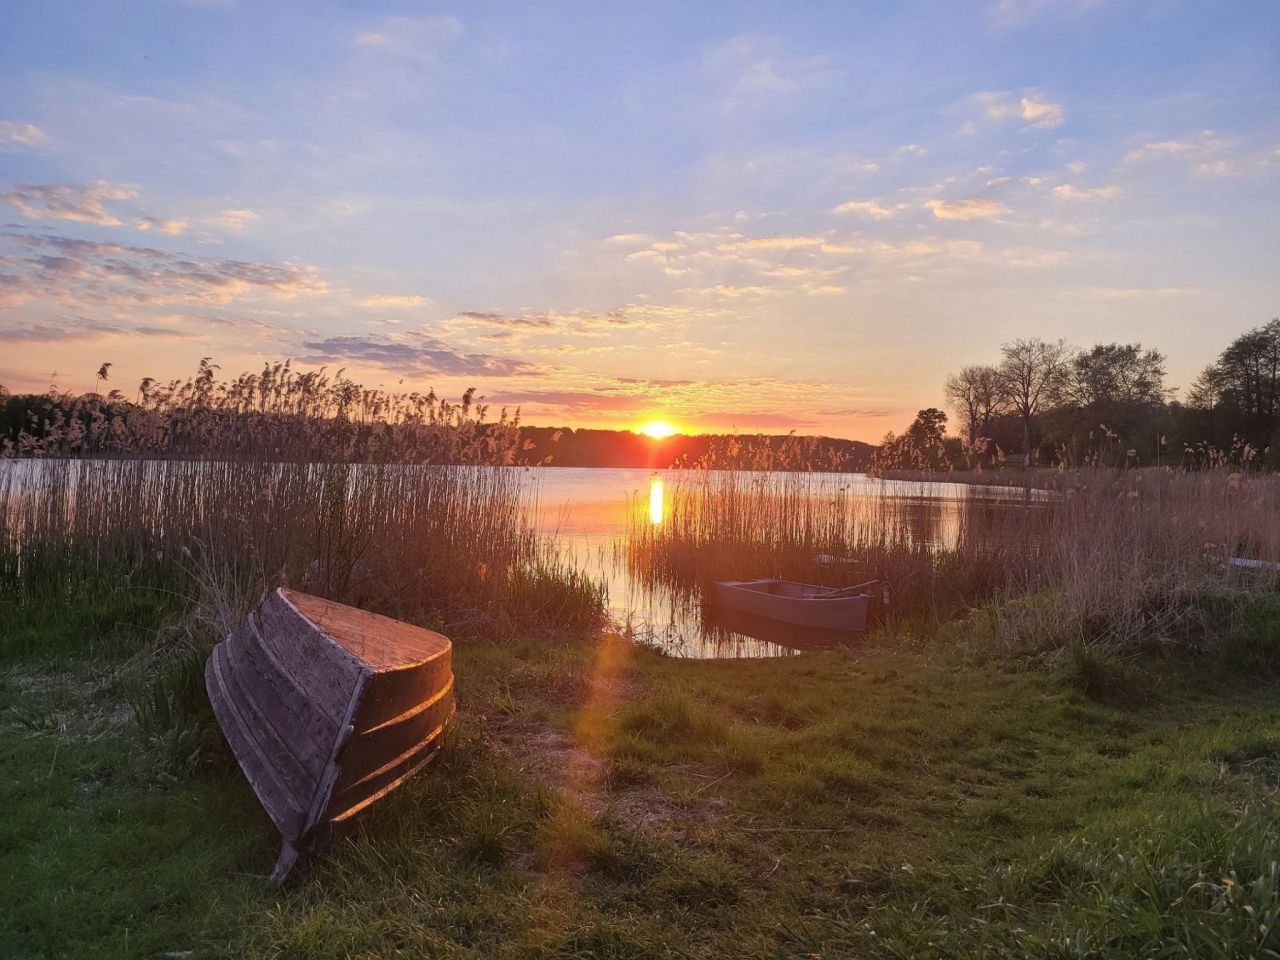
x,y
328,709
803,604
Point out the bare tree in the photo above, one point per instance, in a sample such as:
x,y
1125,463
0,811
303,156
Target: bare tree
x,y
1207,393
1031,375
975,395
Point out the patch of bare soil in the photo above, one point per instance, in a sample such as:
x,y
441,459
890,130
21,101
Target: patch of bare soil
x,y
562,765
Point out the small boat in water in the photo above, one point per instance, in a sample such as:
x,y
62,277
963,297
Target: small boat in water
x,y
1249,563
328,709
805,604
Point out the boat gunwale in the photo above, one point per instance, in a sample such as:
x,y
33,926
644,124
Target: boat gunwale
x,y
743,587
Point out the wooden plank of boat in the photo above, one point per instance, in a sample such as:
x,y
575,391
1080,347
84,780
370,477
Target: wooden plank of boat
x,y
805,604
327,709
1249,563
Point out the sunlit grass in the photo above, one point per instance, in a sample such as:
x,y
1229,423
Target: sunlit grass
x,y
830,805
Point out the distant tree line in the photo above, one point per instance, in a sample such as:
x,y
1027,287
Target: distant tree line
x,y
286,414
585,447
1047,402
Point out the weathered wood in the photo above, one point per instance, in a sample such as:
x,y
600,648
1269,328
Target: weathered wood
x,y
292,716
375,748
378,642
322,667
389,692
285,862
299,771
379,783
803,604
327,709
258,766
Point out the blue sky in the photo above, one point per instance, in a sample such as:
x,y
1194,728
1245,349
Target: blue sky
x,y
760,215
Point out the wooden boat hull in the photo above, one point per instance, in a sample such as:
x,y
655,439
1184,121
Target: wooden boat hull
x,y
802,604
327,709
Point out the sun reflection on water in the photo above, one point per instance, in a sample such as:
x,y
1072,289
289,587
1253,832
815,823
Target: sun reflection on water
x,y
655,499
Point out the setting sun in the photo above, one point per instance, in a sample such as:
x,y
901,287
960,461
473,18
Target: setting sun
x,y
658,430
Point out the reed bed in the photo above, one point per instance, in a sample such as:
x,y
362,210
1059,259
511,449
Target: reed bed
x,y
1105,557
406,505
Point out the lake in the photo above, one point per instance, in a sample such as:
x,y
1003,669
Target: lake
x,y
590,510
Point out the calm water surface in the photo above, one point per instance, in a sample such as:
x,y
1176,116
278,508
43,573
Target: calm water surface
x,y
588,510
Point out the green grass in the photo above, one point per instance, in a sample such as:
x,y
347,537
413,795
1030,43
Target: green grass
x,y
598,800
56,611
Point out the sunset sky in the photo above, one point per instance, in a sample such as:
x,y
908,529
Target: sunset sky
x,y
752,215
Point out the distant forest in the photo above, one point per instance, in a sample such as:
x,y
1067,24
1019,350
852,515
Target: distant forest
x,y
622,448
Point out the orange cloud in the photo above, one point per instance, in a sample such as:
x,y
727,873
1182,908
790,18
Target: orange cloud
x,y
972,208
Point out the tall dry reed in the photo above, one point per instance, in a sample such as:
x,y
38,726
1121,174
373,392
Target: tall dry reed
x,y
404,504
1104,556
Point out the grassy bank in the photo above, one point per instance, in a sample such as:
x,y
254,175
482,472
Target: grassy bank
x,y
598,800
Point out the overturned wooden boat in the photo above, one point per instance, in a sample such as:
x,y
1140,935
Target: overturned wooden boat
x,y
328,709
804,604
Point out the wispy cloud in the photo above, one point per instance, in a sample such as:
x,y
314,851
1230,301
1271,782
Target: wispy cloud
x,y
396,300
772,243
412,354
758,420
1161,148
870,208
699,403
1205,154
233,220
971,208
414,42
580,322
173,228
84,203
82,331
1136,293
734,292
1033,108
860,412
749,68
1011,13
21,136
79,272
1068,191
1218,168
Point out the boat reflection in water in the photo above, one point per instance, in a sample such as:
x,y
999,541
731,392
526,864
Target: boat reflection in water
x,y
722,624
